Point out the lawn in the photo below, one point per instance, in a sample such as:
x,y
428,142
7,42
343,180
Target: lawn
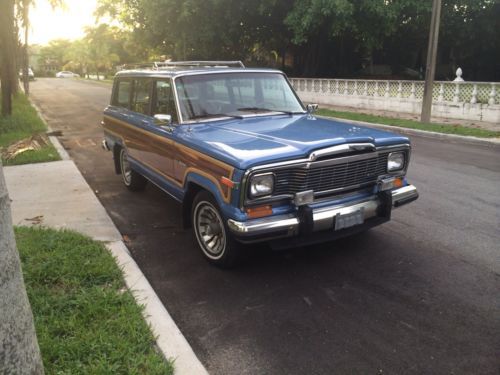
x,y
87,321
24,123
411,124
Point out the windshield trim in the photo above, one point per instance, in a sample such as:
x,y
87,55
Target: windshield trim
x,y
243,71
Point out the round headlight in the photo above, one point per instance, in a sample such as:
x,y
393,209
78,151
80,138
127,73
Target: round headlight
x,y
395,161
261,185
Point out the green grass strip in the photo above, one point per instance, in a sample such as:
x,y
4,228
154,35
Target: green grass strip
x,y
411,124
23,123
87,322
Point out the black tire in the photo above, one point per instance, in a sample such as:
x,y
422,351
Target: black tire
x,y
131,179
212,234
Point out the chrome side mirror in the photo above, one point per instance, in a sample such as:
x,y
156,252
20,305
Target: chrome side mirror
x,y
162,120
311,108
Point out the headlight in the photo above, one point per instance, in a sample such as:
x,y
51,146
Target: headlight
x,y
395,161
261,184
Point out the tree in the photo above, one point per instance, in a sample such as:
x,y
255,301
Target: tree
x,y
20,353
7,54
78,57
100,41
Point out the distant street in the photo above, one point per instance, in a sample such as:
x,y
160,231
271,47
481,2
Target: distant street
x,y
418,295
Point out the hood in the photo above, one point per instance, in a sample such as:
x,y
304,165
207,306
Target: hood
x,y
251,141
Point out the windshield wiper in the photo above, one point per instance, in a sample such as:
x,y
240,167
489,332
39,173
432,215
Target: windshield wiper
x,y
211,115
290,113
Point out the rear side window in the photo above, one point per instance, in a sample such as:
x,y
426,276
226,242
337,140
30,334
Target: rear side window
x,y
141,97
122,94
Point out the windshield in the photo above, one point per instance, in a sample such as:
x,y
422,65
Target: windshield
x,y
235,95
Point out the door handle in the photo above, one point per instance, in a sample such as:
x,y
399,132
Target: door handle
x,y
145,122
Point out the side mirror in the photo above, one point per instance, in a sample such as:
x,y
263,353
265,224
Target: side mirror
x,y
162,120
311,108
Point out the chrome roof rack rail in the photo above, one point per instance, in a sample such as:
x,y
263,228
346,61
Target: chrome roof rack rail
x,y
235,63
157,65
145,65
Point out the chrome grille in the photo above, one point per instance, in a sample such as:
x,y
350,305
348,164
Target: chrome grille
x,y
337,177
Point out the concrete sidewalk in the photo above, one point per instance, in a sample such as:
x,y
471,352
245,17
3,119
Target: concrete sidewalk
x,y
56,195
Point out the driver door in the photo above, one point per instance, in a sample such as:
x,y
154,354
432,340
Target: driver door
x,y
162,151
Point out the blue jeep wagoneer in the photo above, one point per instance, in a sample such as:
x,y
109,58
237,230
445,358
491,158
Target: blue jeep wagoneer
x,y
247,160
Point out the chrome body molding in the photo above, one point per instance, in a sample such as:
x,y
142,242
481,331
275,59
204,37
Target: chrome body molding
x,y
288,225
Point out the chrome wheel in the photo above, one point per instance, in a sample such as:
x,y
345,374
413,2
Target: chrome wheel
x,y
209,229
125,167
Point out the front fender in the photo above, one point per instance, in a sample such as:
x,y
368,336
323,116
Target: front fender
x,y
229,210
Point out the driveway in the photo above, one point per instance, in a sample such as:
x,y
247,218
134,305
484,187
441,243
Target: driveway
x,y
417,295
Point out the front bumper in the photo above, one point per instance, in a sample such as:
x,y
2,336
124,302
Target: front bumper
x,y
376,210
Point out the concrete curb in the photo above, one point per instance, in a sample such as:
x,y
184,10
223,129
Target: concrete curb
x,y
169,338
425,133
55,142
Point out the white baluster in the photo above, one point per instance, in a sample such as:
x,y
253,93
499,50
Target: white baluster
x,y
412,95
376,89
441,92
337,86
400,89
365,91
387,89
355,88
493,94
456,98
473,99
345,88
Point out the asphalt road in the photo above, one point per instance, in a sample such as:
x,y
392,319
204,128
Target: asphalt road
x,y
420,294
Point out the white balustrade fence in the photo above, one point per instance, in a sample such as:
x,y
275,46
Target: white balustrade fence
x,y
460,100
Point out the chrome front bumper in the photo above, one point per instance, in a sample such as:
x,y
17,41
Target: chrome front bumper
x,y
323,218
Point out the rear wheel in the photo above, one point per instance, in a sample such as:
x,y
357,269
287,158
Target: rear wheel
x,y
212,234
132,180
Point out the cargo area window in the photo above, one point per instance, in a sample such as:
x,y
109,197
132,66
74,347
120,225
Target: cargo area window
x,y
122,94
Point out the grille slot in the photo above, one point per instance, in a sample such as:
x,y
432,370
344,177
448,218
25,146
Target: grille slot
x,y
333,177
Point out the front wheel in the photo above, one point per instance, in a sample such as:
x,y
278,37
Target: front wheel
x,y
212,234
132,180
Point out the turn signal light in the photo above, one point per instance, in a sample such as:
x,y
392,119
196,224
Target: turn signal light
x,y
259,211
226,181
398,182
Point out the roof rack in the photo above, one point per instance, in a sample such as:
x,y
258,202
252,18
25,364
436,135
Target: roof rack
x,y
157,65
205,63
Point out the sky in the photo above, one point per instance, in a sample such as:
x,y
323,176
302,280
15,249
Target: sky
x,y
48,24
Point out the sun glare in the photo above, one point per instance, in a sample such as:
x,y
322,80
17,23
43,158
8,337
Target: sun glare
x,y
48,24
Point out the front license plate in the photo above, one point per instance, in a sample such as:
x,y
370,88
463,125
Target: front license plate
x,y
350,219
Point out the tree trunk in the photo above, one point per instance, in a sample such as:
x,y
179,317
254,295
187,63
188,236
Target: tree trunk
x,y
19,352
26,78
8,54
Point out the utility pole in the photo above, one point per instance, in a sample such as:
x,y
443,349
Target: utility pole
x,y
430,70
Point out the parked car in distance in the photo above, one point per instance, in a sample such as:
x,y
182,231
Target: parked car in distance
x,y
66,74
31,75
247,160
